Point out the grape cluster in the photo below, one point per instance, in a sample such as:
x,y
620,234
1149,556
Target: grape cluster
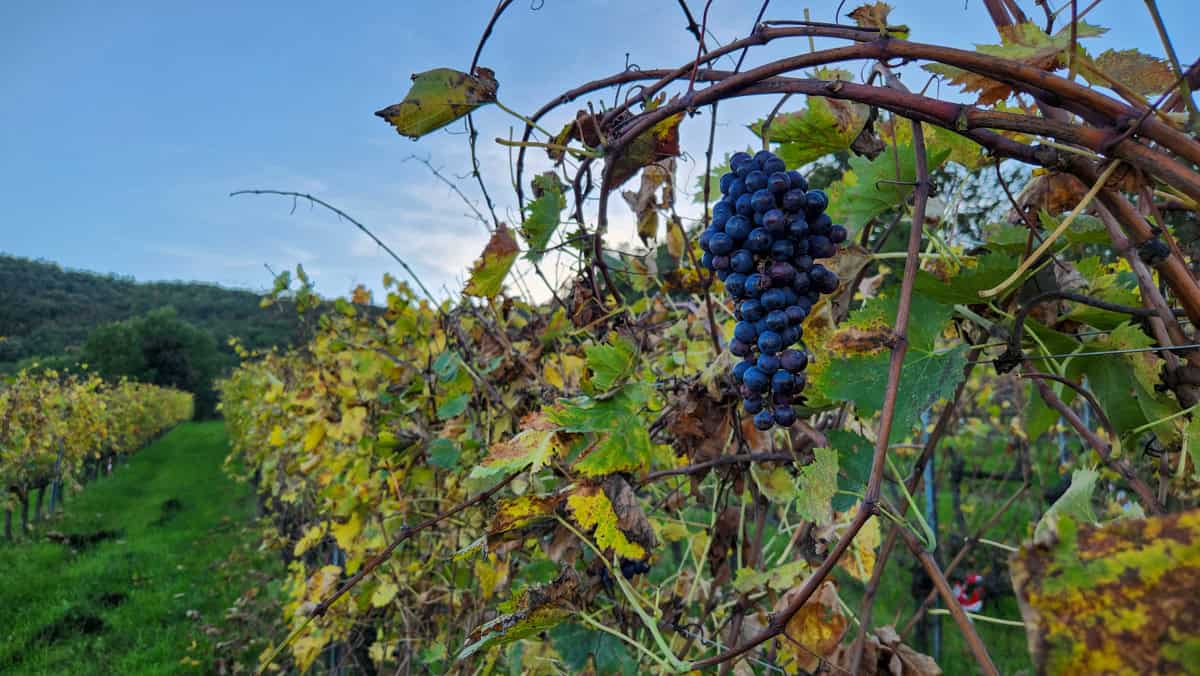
x,y
765,233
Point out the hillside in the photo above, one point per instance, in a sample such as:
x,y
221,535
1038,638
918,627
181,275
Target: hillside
x,y
46,310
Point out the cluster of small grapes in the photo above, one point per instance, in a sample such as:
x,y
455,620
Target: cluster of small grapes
x,y
764,235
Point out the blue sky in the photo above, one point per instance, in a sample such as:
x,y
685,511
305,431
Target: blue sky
x,y
126,124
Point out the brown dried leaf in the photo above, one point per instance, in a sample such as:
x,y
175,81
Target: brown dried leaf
x,y
814,632
1140,72
874,15
631,518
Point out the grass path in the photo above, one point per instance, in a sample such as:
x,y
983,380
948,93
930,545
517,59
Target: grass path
x,y
133,602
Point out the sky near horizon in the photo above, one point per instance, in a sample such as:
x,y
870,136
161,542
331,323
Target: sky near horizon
x,y
127,124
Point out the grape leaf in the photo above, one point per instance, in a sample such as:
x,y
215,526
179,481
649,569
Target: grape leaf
x,y
1118,598
593,510
625,448
437,98
814,632
543,215
854,455
535,445
610,363
535,610
964,287
576,644
656,143
818,481
443,453
871,15
1140,72
452,407
825,126
871,187
490,269
1075,503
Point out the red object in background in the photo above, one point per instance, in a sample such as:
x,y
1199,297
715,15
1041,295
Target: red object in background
x,y
970,593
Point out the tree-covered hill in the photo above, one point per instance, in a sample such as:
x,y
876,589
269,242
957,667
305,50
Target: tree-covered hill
x,y
48,311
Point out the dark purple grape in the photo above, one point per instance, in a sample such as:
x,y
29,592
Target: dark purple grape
x,y
735,285
805,303
776,320
752,404
823,279
758,241
795,313
727,180
781,398
784,416
802,262
798,228
795,200
756,284
818,201
723,275
720,263
791,335
764,156
761,326
821,225
755,180
789,297
721,212
769,342
797,180
793,361
764,420
778,182
742,261
782,381
720,244
755,380
768,363
762,201
801,382
739,348
743,206
745,332
783,249
773,299
740,163
737,227
706,260
739,369
774,165
819,246
813,296
781,272
775,222
752,310
838,233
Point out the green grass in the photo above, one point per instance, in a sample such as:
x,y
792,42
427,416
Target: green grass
x,y
135,603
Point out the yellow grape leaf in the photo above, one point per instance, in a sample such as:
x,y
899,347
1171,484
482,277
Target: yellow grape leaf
x,y
316,432
859,559
817,627
384,593
592,509
872,15
353,425
345,533
360,296
277,438
676,238
818,483
533,447
1140,72
322,583
439,97
491,573
307,648
776,484
311,537
492,266
523,510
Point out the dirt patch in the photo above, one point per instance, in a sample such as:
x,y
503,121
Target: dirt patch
x,y
75,623
168,510
79,541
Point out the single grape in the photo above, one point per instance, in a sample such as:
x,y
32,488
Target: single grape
x,y
784,416
801,382
819,246
782,381
756,284
743,206
752,404
813,296
761,326
799,281
735,285
838,233
762,201
758,241
737,188
769,342
797,180
720,263
722,275
739,370
738,227
773,299
758,218
776,320
740,163
742,261
778,182
764,420
721,212
720,244
805,303
823,279
818,201
781,272
796,314
767,363
774,165
802,262
798,229
706,260
821,225
745,332
783,249
775,222
727,180
755,380
763,156
792,361
704,238
755,180
739,348
795,200
752,310
790,335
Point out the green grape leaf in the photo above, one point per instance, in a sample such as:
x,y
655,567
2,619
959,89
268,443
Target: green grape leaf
x,y
964,287
625,448
576,645
871,187
855,453
818,481
537,609
452,407
825,126
1118,598
1075,503
443,453
610,363
490,269
437,98
543,215
535,445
